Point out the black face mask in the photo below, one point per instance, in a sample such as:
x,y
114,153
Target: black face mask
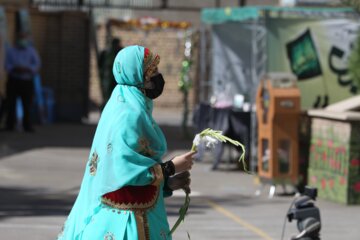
x,y
158,83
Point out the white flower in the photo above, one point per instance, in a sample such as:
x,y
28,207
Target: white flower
x,y
209,141
197,140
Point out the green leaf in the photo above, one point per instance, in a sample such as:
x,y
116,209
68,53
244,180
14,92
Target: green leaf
x,y
182,212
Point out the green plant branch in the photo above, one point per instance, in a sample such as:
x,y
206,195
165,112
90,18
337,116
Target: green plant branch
x,y
182,213
214,134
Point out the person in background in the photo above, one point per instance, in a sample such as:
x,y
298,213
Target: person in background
x,y
2,78
22,63
106,59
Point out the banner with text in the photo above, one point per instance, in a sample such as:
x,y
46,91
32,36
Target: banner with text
x,y
316,51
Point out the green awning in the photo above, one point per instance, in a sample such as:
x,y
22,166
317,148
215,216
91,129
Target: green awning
x,y
221,15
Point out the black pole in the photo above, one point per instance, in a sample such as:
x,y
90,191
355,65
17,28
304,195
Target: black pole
x,y
218,3
80,3
164,4
242,3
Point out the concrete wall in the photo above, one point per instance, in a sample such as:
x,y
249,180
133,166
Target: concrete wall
x,y
169,44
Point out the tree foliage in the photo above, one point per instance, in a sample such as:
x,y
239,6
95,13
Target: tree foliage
x,y
353,3
354,61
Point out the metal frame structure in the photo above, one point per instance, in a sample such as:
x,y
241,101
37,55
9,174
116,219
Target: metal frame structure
x,y
124,4
258,69
204,52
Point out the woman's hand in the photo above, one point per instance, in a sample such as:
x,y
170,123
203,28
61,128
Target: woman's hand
x,y
183,162
180,181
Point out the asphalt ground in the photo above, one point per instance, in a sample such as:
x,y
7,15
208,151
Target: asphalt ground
x,y
40,175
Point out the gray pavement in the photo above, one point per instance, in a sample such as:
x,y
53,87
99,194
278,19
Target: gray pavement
x,y
40,175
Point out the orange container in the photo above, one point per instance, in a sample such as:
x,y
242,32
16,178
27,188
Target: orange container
x,y
278,114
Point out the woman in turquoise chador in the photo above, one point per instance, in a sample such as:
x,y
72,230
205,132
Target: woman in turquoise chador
x,y
125,181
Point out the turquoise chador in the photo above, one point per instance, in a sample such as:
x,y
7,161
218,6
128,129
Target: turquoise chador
x,y
121,195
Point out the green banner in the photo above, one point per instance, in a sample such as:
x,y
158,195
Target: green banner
x,y
316,51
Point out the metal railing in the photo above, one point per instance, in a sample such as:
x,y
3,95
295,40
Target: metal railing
x,y
115,4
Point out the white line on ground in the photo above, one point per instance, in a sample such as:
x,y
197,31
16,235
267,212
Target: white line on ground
x,y
29,226
181,193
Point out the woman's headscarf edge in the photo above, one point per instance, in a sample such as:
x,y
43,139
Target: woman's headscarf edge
x,y
144,57
151,61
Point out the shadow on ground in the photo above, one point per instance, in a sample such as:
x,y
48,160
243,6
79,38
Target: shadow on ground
x,y
199,204
25,202
73,136
16,202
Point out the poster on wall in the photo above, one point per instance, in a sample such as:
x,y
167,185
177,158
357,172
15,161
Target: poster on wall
x,y
317,52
